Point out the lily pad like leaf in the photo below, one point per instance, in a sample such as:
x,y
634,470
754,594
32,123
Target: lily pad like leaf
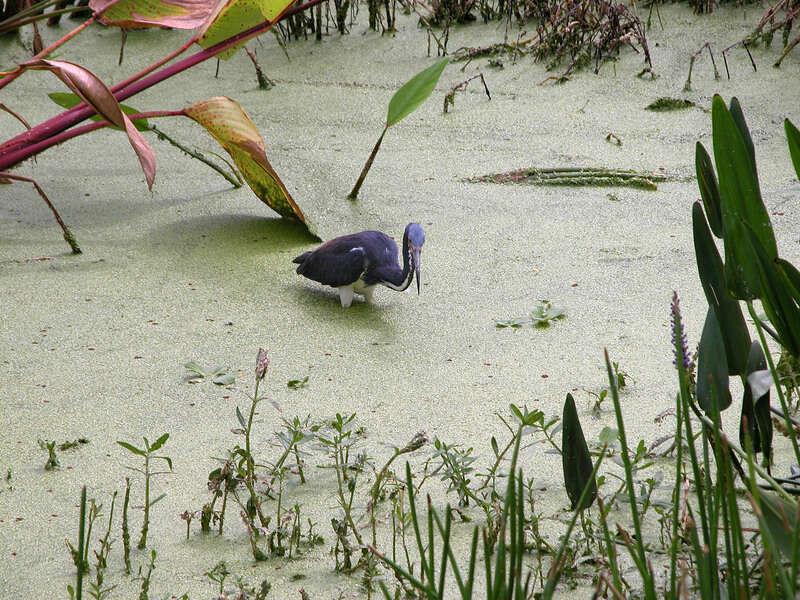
x,y
227,123
96,94
409,97
575,458
232,17
136,14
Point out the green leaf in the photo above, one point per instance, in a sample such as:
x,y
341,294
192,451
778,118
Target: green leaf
x,y
160,497
781,519
709,190
224,379
67,100
195,367
608,435
227,123
712,367
242,420
741,125
294,384
781,301
793,137
159,442
409,97
132,448
728,311
167,459
756,361
741,201
575,458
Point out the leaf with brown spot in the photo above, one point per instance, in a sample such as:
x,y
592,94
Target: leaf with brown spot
x,y
136,14
96,94
227,123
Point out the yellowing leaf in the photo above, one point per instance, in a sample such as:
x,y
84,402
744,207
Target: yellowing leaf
x,y
133,14
89,88
234,16
227,123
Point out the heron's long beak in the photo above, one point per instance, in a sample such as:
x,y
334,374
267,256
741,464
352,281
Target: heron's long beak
x,y
416,254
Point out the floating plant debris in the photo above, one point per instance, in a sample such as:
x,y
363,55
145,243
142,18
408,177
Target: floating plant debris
x,y
575,176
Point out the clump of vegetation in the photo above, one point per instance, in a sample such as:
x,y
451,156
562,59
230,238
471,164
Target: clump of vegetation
x,y
542,315
666,103
593,176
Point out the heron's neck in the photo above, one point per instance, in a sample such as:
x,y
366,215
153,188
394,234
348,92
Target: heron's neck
x,y
403,279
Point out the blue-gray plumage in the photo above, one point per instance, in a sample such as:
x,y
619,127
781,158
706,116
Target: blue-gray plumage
x,y
356,263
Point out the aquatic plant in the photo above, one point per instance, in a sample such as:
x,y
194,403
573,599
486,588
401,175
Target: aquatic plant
x,y
222,27
404,101
148,453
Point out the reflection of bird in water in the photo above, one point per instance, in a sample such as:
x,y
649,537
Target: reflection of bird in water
x,y
356,263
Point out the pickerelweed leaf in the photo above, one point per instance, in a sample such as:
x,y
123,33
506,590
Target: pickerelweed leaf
x,y
67,100
793,138
735,334
741,203
136,14
241,418
575,458
409,97
231,17
750,424
96,94
741,124
780,516
709,190
712,367
227,123
779,298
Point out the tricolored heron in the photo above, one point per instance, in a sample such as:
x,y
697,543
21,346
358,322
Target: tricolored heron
x,y
356,263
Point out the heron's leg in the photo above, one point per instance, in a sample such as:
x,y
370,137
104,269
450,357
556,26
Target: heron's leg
x,y
346,295
368,293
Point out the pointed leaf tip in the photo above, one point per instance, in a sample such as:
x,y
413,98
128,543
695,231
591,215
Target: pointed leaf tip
x,y
227,123
414,92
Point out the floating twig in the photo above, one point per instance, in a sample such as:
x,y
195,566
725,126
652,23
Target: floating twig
x,y
449,97
583,176
264,82
688,85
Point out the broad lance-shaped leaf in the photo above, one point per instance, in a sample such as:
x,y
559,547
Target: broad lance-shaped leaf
x,y
96,94
575,458
712,367
136,14
225,120
67,100
780,517
741,125
728,311
709,190
414,92
780,299
793,137
741,202
756,413
231,17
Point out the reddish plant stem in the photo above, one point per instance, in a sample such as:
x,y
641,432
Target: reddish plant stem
x,y
76,131
24,145
18,71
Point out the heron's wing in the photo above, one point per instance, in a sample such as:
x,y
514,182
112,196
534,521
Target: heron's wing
x,y
332,264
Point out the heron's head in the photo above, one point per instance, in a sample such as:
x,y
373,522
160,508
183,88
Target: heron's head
x,y
416,238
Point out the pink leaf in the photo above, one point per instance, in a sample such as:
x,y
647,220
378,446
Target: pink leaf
x,y
181,14
89,88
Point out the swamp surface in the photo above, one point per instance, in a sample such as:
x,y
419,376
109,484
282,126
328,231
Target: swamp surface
x,y
94,345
